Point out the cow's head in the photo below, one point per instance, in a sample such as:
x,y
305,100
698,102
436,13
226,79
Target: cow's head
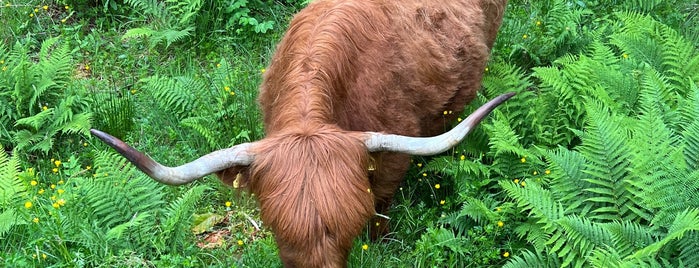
x,y
312,186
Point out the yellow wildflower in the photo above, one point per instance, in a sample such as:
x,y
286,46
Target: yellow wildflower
x,y
28,204
445,112
538,23
41,191
419,164
4,68
133,91
365,247
525,36
227,88
240,242
232,93
34,182
53,186
35,220
523,160
498,209
85,144
501,224
625,56
31,15
67,7
88,167
45,7
263,70
55,205
44,108
459,119
516,181
463,157
228,203
57,162
63,21
87,67
523,184
506,254
547,172
61,182
218,65
535,172
441,202
424,174
60,191
36,10
61,202
436,186
377,223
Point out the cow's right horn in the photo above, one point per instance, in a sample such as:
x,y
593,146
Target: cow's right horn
x,y
379,142
238,155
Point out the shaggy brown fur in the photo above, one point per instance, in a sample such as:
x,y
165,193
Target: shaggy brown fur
x,y
364,65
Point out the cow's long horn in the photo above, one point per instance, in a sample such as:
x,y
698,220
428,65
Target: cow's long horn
x,y
205,165
378,142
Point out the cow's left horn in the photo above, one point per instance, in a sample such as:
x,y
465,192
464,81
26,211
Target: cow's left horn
x,y
238,155
377,142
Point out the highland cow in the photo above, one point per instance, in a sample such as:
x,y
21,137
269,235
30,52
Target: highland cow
x,y
355,87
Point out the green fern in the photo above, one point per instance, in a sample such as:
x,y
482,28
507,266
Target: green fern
x,y
529,259
177,218
603,145
11,190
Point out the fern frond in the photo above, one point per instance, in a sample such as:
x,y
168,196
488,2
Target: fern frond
x,y
178,217
528,259
628,237
535,200
689,252
603,145
119,191
568,182
685,222
580,236
11,189
142,32
171,95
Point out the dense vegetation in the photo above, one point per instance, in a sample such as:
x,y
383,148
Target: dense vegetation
x,y
595,163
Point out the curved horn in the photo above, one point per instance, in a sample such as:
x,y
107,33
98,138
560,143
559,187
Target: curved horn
x,y
238,155
377,142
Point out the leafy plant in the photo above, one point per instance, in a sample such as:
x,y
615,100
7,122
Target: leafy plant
x,y
40,101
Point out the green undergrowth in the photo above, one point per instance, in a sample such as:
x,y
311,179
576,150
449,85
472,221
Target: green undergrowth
x,y
592,164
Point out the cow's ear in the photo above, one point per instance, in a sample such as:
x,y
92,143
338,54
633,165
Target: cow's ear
x,y
236,177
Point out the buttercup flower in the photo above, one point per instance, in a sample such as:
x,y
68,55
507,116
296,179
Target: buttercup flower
x,y
240,242
506,254
365,247
228,203
501,224
34,183
436,186
28,204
